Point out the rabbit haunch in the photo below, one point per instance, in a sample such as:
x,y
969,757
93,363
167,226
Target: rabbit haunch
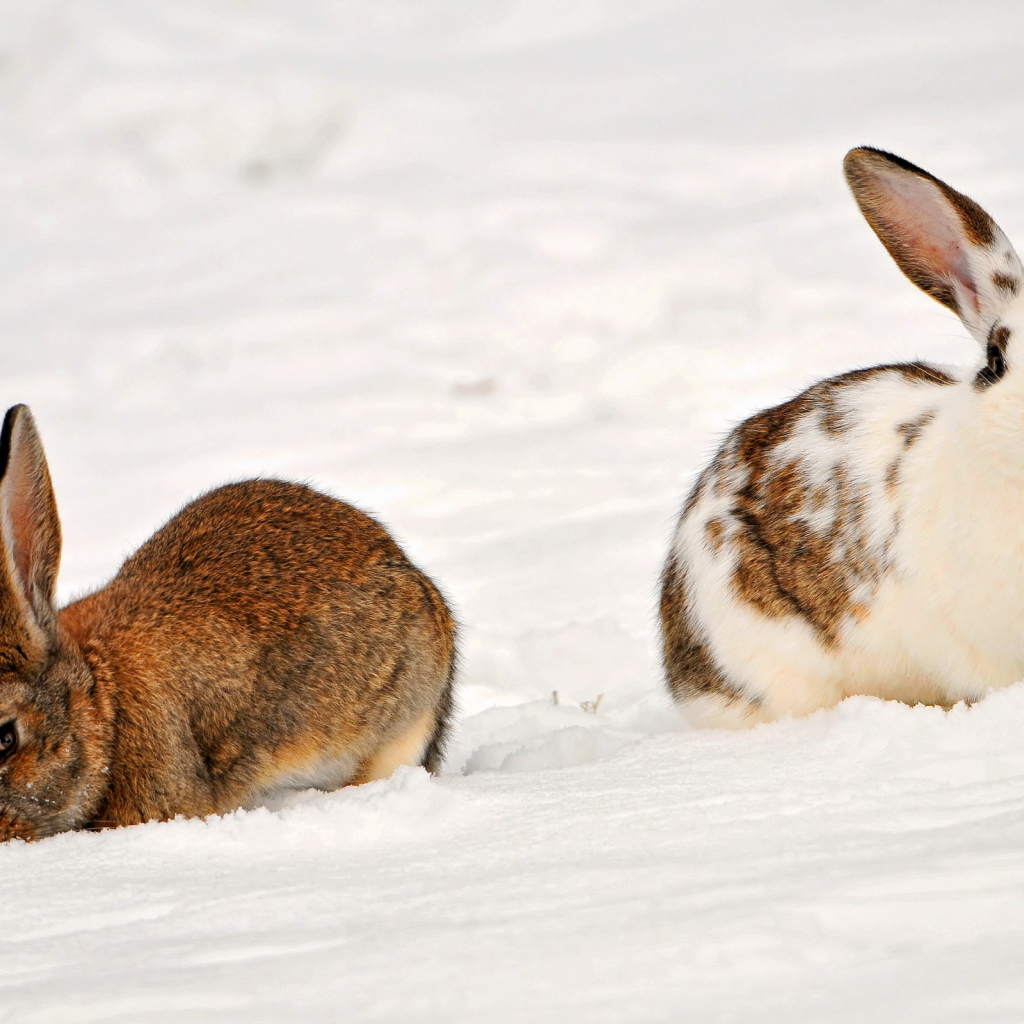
x,y
865,537
267,637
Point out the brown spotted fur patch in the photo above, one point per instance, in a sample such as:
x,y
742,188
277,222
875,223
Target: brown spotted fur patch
x,y
920,371
714,532
832,419
1006,283
912,430
909,432
785,567
689,667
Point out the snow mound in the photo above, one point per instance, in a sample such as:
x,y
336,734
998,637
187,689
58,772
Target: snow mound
x,y
543,734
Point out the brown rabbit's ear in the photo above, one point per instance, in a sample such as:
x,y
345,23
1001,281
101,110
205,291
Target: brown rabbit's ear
x,y
29,523
944,242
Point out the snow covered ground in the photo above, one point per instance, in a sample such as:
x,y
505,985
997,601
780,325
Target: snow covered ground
x,y
501,272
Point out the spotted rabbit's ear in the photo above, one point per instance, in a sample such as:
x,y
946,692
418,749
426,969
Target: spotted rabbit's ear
x,y
29,526
944,242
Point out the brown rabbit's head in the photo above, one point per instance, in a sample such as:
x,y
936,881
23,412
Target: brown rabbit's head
x,y
52,749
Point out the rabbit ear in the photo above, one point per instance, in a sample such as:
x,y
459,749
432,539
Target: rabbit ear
x,y
29,525
944,242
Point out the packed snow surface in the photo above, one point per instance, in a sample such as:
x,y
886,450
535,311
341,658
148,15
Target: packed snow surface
x,y
502,273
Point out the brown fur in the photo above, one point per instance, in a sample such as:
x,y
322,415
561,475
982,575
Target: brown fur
x,y
786,568
689,667
265,632
715,534
995,358
910,432
1006,283
783,566
915,371
1000,337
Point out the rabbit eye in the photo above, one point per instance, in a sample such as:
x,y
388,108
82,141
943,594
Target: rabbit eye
x,y
8,739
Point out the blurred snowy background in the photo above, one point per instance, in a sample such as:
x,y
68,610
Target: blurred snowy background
x,y
501,273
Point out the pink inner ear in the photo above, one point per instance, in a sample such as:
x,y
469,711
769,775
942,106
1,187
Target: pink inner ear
x,y
925,223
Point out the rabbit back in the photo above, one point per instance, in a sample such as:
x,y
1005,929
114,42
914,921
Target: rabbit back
x,y
788,550
268,637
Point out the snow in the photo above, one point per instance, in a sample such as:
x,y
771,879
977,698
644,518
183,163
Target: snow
x,y
502,273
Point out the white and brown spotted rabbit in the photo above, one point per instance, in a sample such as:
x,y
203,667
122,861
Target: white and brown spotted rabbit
x,y
867,536
267,638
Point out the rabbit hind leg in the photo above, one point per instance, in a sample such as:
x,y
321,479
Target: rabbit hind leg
x,y
406,747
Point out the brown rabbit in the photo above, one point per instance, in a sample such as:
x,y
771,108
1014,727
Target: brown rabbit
x,y
267,638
